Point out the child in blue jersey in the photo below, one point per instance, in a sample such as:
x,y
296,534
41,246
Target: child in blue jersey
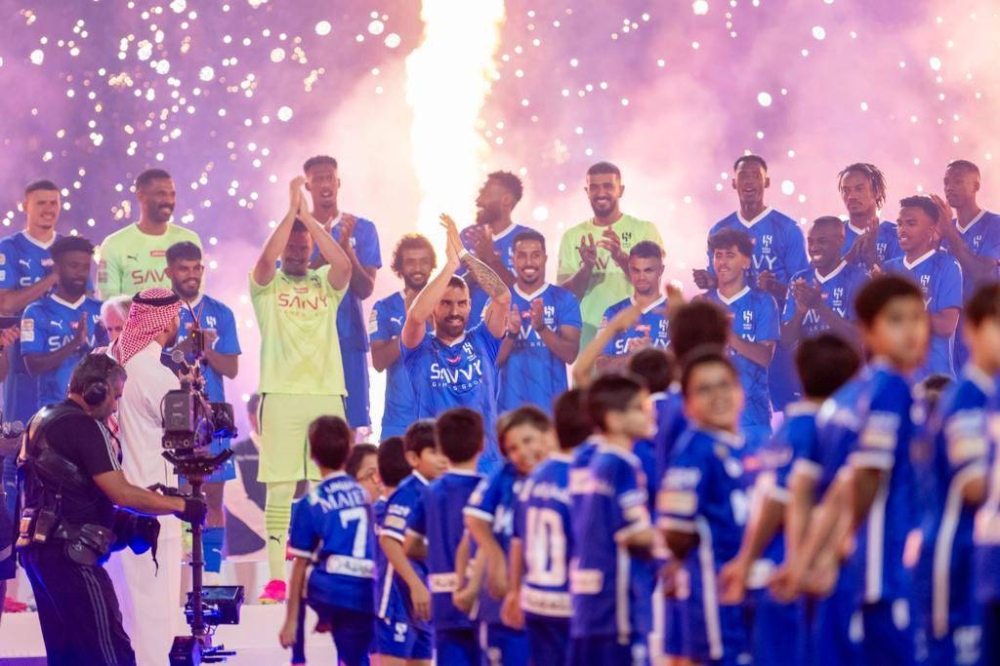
x,y
936,272
955,474
543,332
435,530
403,631
702,507
524,436
59,329
755,328
986,540
332,533
868,242
867,479
652,328
542,544
611,528
413,261
778,635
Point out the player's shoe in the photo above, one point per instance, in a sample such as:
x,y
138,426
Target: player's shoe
x,y
274,593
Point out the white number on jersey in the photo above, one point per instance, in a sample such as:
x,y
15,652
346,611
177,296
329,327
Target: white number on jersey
x,y
545,548
357,514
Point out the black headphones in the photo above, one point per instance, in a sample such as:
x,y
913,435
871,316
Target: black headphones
x,y
95,387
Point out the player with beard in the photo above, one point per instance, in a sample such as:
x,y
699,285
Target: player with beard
x,y
452,367
593,255
135,258
413,261
543,331
867,241
358,239
222,356
491,238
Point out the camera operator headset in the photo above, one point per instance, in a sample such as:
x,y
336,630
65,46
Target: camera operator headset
x,y
69,482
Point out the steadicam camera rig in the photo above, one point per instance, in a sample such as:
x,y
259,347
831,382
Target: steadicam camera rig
x,y
190,424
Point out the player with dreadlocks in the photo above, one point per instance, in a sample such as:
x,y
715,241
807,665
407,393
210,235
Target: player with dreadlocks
x,y
869,241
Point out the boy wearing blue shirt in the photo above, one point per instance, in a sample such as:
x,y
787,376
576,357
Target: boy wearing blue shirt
x,y
403,632
611,529
955,485
645,271
824,364
702,507
435,530
868,241
452,367
59,329
489,516
359,240
332,534
973,237
413,261
543,332
542,543
936,272
221,352
754,328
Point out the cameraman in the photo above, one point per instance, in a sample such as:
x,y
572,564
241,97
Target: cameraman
x,y
70,482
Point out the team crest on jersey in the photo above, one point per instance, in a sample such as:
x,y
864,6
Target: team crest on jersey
x,y
626,237
925,280
766,242
211,321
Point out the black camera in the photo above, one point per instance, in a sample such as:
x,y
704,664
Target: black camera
x,y
191,422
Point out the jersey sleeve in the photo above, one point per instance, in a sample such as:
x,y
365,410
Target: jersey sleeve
x,y
631,498
490,343
109,271
8,265
878,439
34,331
367,248
653,234
416,521
788,309
991,241
768,328
569,310
795,258
949,289
679,498
380,324
485,499
227,341
397,515
967,441
92,447
304,535
569,258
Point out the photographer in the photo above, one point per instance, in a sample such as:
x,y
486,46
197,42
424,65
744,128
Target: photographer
x,y
70,482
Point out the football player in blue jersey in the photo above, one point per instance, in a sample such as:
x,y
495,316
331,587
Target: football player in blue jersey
x,y
434,533
491,238
755,328
525,436
868,241
973,237
221,348
59,329
413,261
332,536
454,367
543,331
403,632
645,272
867,481
542,544
954,472
935,271
825,363
358,237
702,507
611,529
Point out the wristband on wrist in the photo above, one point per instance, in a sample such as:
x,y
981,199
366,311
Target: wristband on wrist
x,y
463,253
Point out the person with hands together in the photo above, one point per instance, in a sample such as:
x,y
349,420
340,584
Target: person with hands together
x,y
868,242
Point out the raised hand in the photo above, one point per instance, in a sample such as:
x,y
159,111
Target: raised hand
x,y
625,319
732,581
347,224
704,280
80,339
295,193
514,321
454,242
588,250
9,336
766,281
611,242
537,314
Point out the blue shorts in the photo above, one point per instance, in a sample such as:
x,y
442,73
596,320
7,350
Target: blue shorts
x,y
502,645
779,632
606,650
548,639
356,376
456,647
353,632
711,631
403,640
890,636
782,378
838,629
673,630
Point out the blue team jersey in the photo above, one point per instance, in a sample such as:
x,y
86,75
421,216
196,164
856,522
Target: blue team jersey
x,y
533,374
869,420
23,262
386,323
212,315
940,280
351,328
755,319
778,243
47,325
542,523
436,517
886,242
670,425
462,374
652,324
838,289
504,244
610,502
987,532
334,527
958,453
982,236
394,595
493,502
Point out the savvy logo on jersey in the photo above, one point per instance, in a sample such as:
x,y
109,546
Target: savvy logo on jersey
x,y
461,378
